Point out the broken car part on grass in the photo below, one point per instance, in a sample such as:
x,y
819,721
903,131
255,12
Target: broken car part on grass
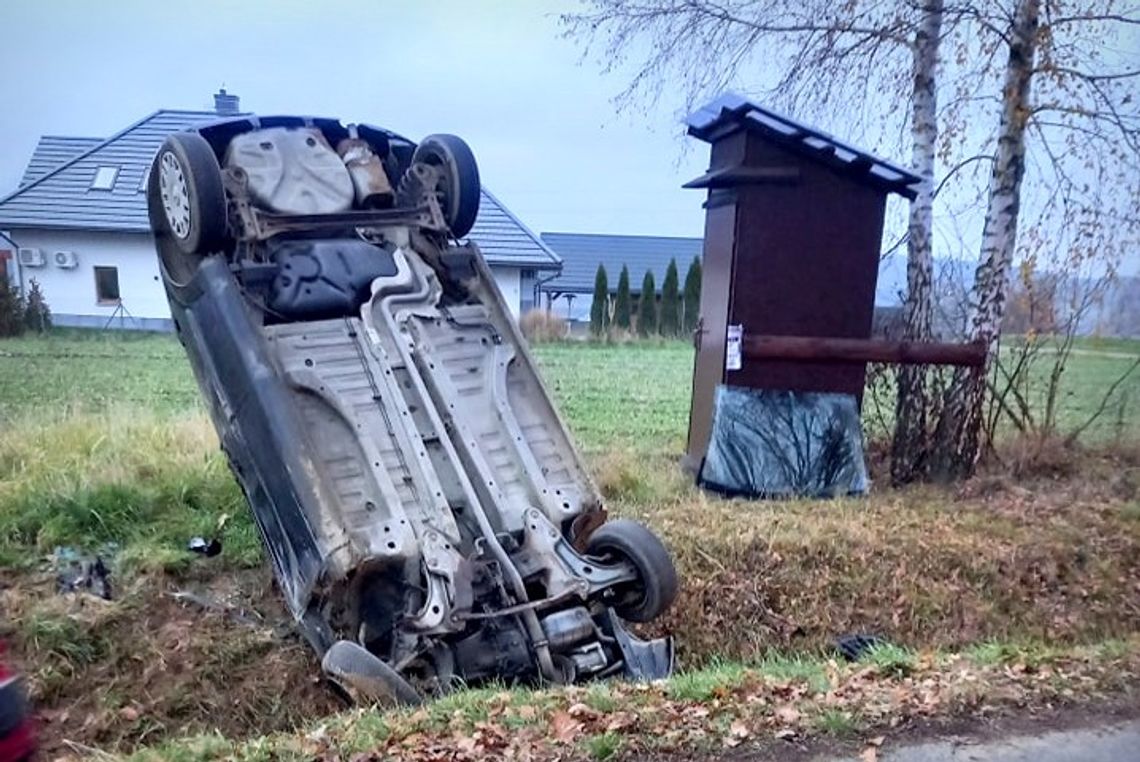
x,y
77,573
428,518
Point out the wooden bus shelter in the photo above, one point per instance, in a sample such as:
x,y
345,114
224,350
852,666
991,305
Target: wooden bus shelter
x,y
793,233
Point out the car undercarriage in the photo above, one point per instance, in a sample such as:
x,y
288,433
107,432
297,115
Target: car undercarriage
x,y
429,520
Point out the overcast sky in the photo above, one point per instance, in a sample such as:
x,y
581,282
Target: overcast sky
x,y
541,121
548,139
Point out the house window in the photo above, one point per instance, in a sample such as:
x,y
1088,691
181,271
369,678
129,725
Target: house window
x,y
104,178
526,291
107,285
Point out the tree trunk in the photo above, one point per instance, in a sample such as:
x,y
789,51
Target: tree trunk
x,y
959,438
910,445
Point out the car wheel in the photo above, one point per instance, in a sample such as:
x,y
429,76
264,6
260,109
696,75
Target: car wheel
x,y
366,678
458,188
186,205
656,586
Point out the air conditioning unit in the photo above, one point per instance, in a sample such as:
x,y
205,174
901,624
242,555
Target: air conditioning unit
x,y
66,259
30,257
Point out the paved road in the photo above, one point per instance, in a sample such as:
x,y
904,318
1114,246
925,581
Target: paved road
x,y
1110,743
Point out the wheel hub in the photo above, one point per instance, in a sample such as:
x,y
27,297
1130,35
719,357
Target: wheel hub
x,y
175,195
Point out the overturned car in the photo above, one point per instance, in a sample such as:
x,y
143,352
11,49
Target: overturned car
x,y
427,515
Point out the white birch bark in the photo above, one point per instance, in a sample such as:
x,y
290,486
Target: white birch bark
x,y
910,442
999,239
999,234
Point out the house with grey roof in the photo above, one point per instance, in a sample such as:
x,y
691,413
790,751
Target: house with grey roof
x,y
569,293
77,224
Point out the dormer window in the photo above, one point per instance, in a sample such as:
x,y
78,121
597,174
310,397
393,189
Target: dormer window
x,y
104,178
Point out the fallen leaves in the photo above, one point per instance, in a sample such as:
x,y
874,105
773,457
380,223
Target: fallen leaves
x,y
788,714
753,707
620,721
564,728
737,733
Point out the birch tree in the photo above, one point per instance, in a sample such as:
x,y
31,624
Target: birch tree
x,y
1067,95
910,445
962,418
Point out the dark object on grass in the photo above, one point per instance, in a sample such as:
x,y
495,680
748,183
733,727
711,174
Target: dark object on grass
x,y
853,647
204,547
17,734
78,574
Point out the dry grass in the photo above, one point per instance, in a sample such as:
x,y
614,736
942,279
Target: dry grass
x,y
1044,545
539,326
117,674
1048,557
1051,553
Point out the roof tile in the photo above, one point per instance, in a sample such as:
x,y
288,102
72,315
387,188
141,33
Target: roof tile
x,y
581,254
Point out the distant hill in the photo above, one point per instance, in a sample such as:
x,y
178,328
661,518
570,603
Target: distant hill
x,y
1107,311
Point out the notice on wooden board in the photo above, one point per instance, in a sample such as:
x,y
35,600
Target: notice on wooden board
x,y
732,356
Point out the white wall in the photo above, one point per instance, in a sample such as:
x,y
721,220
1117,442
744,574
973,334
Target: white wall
x,y
72,292
508,280
576,310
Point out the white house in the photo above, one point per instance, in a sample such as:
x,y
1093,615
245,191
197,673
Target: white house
x,y
78,226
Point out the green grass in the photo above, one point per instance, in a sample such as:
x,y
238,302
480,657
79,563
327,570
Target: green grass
x,y
74,370
891,659
1092,368
836,722
613,395
625,395
796,668
1131,511
634,395
604,746
103,438
705,684
1107,344
62,638
144,482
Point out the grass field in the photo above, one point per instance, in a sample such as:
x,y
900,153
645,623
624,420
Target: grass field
x,y
632,395
104,443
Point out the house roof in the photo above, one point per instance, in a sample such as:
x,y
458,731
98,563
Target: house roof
x,y
505,240
582,253
53,150
56,192
732,112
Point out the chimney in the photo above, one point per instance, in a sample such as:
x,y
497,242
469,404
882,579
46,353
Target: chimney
x,y
225,103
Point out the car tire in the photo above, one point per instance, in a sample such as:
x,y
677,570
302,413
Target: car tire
x,y
656,586
459,187
365,677
186,205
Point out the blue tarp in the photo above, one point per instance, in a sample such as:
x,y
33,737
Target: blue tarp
x,y
769,444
